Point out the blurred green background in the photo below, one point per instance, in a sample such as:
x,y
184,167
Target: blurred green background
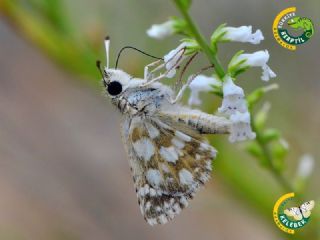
x,y
63,170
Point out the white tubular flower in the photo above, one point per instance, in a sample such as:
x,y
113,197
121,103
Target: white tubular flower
x,y
240,127
242,34
235,106
161,31
256,59
201,83
267,73
233,98
305,166
174,58
284,143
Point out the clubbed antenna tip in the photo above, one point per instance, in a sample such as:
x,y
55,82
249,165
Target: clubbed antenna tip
x,y
107,46
98,64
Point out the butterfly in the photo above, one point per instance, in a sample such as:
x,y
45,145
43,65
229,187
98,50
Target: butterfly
x,y
169,157
304,211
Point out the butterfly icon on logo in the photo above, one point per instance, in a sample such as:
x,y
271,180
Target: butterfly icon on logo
x,y
303,211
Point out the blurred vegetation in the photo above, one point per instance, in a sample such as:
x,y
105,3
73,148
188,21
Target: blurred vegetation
x,y
47,24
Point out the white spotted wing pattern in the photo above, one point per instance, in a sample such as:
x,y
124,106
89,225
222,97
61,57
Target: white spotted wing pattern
x,y
168,164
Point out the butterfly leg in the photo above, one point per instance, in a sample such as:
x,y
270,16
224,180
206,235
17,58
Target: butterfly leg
x,y
176,65
155,79
156,69
178,82
148,74
184,87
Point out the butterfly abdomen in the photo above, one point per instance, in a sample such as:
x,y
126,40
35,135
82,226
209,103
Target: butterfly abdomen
x,y
201,122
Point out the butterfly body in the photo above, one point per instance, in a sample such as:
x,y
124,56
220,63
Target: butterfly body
x,y
135,99
169,158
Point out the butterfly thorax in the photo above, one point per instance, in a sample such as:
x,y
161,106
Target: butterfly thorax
x,y
141,101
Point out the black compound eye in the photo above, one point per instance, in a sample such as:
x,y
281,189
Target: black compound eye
x,y
114,88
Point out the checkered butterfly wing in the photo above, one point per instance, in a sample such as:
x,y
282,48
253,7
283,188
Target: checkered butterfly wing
x,y
169,164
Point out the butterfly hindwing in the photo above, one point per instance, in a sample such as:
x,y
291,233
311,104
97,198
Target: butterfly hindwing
x,y
169,165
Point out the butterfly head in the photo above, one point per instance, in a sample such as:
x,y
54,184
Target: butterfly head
x,y
114,80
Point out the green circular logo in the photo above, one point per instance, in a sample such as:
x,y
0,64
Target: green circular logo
x,y
291,30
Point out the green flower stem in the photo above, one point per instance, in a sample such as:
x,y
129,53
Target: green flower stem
x,y
280,178
201,40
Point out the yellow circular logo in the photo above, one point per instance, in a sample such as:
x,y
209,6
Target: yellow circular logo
x,y
292,218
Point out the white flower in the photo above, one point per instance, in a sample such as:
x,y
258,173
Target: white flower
x,y
267,73
201,83
240,127
242,34
256,59
305,167
284,143
235,106
161,31
174,58
233,98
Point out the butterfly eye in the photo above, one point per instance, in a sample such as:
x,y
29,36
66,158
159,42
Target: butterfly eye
x,y
114,88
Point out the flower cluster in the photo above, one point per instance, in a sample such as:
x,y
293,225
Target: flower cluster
x,y
234,104
269,147
235,107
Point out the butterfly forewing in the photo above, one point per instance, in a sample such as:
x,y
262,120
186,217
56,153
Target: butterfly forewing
x,y
168,164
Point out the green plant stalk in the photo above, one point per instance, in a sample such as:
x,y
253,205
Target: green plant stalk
x,y
280,178
221,73
201,41
212,56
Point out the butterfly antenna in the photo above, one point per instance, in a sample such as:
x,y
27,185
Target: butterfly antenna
x,y
98,64
136,49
